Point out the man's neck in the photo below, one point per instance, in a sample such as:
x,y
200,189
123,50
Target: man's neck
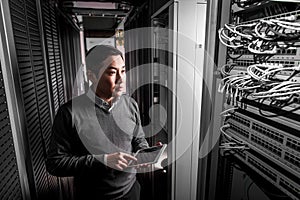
x,y
108,99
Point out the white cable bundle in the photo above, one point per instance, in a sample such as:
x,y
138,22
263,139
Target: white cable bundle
x,y
256,47
224,39
224,71
234,81
233,143
248,36
282,91
260,30
263,72
286,24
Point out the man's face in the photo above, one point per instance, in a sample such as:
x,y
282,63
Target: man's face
x,y
112,82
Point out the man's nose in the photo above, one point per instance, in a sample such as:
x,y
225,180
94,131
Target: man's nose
x,y
120,77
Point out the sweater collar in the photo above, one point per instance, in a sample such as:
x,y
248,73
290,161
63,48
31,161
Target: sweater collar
x,y
100,102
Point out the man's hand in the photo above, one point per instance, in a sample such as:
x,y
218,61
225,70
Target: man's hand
x,y
119,160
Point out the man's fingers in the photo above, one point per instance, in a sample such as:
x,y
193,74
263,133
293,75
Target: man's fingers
x,y
121,165
129,157
122,159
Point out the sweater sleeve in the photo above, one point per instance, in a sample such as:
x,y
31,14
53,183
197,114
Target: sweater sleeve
x,y
61,158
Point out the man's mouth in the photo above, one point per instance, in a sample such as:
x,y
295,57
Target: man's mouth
x,y
119,88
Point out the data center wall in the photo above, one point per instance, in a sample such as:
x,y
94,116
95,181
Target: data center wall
x,y
260,81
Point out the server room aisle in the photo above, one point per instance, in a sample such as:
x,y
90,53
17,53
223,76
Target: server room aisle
x,y
218,79
43,45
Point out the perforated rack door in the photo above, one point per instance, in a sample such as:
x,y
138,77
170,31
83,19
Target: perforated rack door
x,y
10,187
53,53
54,65
34,94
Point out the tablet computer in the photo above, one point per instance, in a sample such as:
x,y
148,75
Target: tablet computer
x,y
148,156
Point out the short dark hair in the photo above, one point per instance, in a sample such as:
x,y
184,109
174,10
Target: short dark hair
x,y
97,54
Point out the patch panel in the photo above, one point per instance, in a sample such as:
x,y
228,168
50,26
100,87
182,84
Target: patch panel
x,y
282,54
239,130
262,168
295,13
241,68
293,159
290,51
262,143
294,190
246,63
290,142
267,132
270,141
290,121
293,144
241,120
280,75
278,178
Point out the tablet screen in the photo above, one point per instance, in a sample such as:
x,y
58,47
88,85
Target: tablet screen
x,y
149,155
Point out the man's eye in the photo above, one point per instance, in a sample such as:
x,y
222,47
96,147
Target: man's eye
x,y
112,72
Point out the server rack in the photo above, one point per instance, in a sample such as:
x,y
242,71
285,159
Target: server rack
x,y
176,42
261,123
33,87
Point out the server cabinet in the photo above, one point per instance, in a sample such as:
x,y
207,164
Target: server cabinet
x,y
35,86
12,186
260,124
33,94
175,72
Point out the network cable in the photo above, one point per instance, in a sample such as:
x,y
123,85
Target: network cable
x,y
228,110
225,69
244,3
256,71
232,143
277,30
261,77
245,30
263,37
281,92
262,30
286,24
262,47
224,39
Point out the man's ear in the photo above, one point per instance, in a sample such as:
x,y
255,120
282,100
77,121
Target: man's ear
x,y
91,76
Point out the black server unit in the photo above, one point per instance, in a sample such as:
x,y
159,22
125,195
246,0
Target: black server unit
x,y
260,82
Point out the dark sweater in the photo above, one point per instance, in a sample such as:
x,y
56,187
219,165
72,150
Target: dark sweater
x,y
84,130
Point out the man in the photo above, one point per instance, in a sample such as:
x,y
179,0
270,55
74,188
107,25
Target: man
x,y
94,134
